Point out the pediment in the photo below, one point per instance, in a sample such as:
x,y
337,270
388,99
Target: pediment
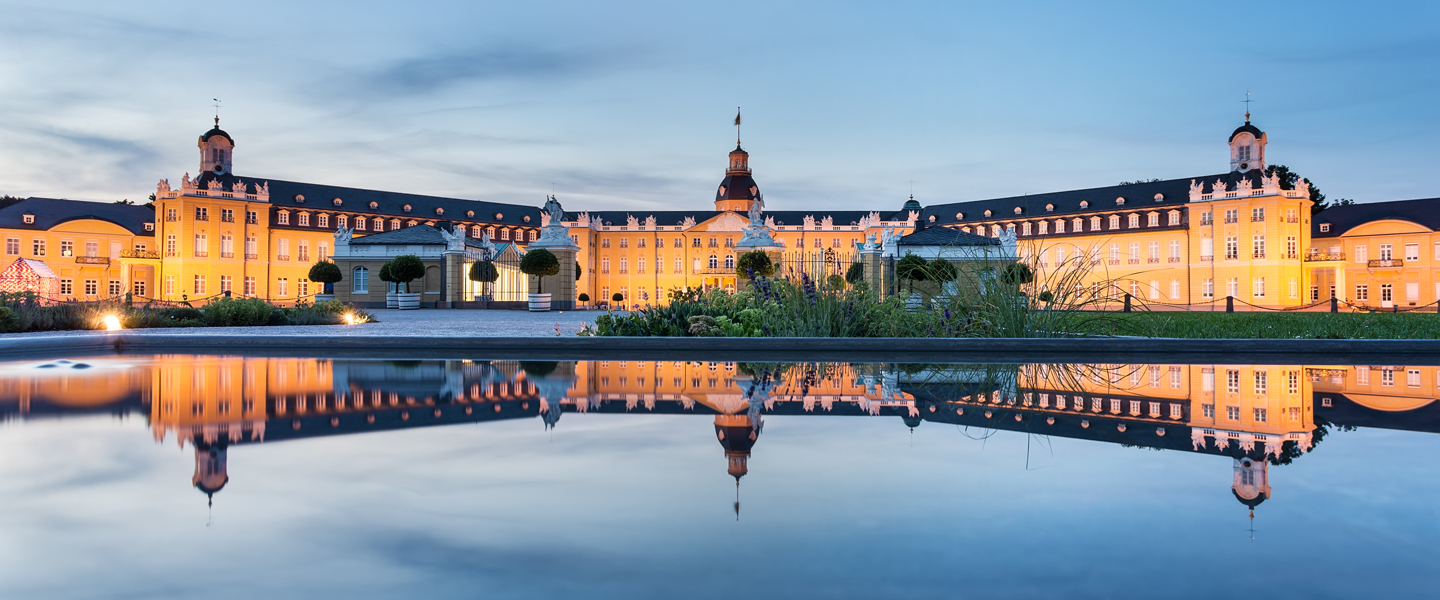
x,y
726,221
1387,226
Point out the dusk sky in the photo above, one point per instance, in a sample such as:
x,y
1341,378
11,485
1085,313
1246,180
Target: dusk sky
x,y
629,105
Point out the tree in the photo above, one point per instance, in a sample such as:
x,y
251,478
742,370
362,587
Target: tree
x,y
325,272
1289,178
836,282
1016,274
484,272
911,268
754,263
617,297
406,268
578,271
126,201
540,263
942,271
855,273
385,275
584,297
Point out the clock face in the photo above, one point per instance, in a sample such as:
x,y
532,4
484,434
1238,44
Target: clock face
x,y
1244,165
219,168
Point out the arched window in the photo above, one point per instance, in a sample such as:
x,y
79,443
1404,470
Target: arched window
x,y
730,261
714,262
362,280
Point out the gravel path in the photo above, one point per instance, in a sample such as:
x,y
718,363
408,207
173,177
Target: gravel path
x,y
424,322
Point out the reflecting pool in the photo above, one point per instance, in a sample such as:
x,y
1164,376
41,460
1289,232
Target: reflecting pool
x,y
232,476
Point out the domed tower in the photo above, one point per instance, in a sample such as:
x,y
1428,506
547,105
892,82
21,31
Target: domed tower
x,y
738,191
1247,147
1252,482
216,148
737,435
210,469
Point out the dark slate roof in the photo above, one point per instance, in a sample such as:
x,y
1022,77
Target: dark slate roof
x,y
50,212
1246,128
417,235
1138,196
670,218
945,236
1425,211
217,131
737,187
320,197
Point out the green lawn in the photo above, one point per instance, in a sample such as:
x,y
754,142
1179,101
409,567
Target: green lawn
x,y
1369,326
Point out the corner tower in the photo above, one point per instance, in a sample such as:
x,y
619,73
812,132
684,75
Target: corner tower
x,y
216,149
1247,147
738,191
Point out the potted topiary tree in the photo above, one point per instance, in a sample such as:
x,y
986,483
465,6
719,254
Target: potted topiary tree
x,y
911,268
405,269
617,299
540,263
391,301
326,274
755,263
484,272
942,272
583,298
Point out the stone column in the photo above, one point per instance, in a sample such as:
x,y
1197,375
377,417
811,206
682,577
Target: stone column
x,y
456,279
874,266
560,286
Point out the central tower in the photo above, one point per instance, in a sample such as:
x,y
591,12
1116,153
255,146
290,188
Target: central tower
x,y
738,191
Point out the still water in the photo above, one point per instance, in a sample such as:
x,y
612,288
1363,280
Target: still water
x,y
242,477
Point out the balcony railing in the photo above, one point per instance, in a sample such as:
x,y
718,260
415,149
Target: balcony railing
x,y
225,219
1114,261
282,257
1257,255
202,254
92,260
1207,259
1174,259
252,256
172,218
1292,219
1386,263
1232,219
1290,256
202,217
1152,260
227,255
1257,219
251,221
138,254
1324,256
1134,261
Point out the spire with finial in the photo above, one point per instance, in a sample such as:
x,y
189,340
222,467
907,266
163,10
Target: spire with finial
x,y
737,498
737,127
1247,106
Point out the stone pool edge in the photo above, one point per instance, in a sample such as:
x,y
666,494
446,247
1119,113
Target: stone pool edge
x,y
657,347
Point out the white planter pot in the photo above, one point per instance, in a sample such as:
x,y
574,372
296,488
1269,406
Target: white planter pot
x,y
539,302
390,300
404,301
324,298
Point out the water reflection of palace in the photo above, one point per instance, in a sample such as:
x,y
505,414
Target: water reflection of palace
x,y
1257,415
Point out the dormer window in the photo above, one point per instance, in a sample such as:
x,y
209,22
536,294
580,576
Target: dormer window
x,y
405,208
337,202
526,219
1049,208
283,218
374,205
439,211
932,218
149,227
299,199
1120,201
499,216
960,216
1018,210
1084,204
987,213
1324,227
471,214
1159,197
29,219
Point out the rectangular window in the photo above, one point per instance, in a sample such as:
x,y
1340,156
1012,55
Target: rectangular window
x,y
1387,252
1259,284
304,287
1174,289
1208,410
1232,413
323,251
1174,218
37,247
224,283
1387,293
1362,292
1362,253
202,245
1133,221
1232,215
1232,381
1262,383
1134,252
252,248
202,213
169,285
1153,252
1412,251
92,287
302,251
1135,407
1155,410
92,249
1177,412
283,218
1257,246
67,287
624,242
1174,250
1207,288
1387,377
322,220
1362,375
1206,218
282,287
250,286
138,288
1232,247
1412,378
227,246
1260,415
12,246
1292,247
282,250
1232,287
1257,215
303,219
199,287
114,288
1153,220
1412,292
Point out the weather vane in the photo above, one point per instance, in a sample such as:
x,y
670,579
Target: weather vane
x,y
217,111
1247,105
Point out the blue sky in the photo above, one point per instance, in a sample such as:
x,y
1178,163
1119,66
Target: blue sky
x,y
629,105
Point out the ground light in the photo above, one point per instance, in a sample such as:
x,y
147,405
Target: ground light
x,y
112,323
350,319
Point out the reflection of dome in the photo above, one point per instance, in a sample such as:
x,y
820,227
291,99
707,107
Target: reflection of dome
x,y
211,473
912,421
1252,482
737,435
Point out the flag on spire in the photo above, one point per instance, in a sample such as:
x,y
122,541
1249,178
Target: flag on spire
x,y
737,115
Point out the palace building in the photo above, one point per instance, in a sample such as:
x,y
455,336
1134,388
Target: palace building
x,y
1243,233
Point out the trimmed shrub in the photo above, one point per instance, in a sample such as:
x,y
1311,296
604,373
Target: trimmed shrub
x,y
242,312
754,264
540,263
617,297
405,269
9,321
584,297
325,272
484,272
836,282
1017,274
855,274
